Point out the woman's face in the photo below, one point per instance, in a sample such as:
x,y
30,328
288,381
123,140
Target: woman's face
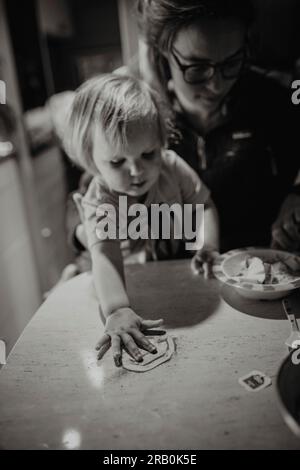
x,y
215,41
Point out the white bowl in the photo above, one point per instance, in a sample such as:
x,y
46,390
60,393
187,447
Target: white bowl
x,y
227,267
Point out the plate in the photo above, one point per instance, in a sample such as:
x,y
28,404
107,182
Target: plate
x,y
228,265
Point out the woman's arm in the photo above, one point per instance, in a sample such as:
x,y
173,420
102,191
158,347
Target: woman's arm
x,y
286,228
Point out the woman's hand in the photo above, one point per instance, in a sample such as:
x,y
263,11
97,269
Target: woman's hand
x,y
203,260
124,329
286,229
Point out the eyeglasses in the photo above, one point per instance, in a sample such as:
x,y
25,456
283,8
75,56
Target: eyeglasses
x,y
203,70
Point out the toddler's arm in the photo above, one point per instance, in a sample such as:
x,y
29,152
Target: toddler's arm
x,y
123,327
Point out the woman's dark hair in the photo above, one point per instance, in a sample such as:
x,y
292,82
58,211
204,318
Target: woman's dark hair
x,y
160,20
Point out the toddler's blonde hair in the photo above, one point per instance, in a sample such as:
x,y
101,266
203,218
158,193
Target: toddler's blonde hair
x,y
111,101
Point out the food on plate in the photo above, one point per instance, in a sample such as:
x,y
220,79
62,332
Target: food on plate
x,y
279,271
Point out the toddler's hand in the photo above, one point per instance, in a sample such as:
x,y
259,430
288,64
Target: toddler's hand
x,y
203,260
77,198
80,234
79,230
123,329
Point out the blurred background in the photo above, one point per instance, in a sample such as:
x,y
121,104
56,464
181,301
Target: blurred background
x,y
48,47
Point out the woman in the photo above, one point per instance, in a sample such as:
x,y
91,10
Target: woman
x,y
236,128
